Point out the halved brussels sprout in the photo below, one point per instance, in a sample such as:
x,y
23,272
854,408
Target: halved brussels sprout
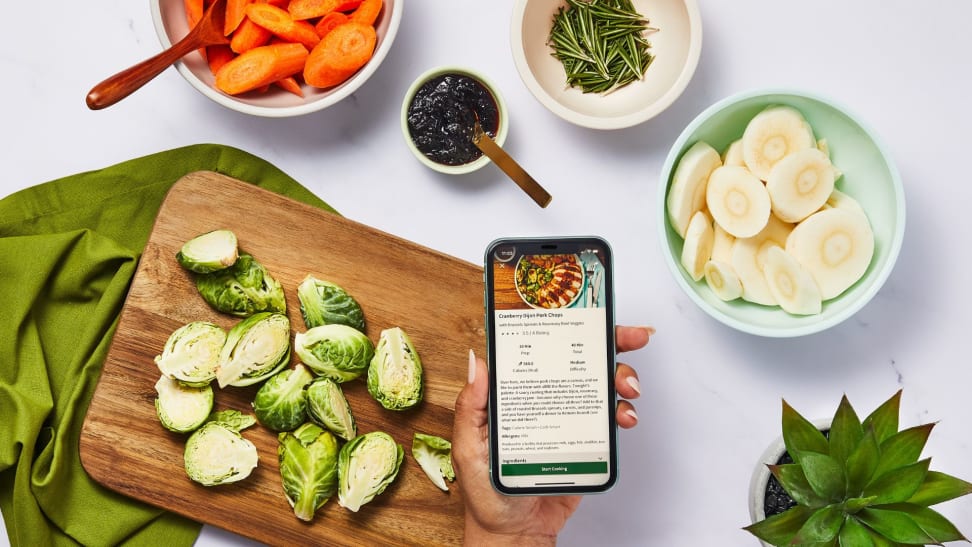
x,y
256,348
182,408
233,419
434,456
367,464
395,374
324,303
308,468
243,289
209,252
338,352
216,453
328,407
191,354
280,403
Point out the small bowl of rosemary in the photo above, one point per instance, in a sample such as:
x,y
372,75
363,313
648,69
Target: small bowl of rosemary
x,y
606,64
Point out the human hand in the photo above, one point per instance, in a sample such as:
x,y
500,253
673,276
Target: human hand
x,y
493,518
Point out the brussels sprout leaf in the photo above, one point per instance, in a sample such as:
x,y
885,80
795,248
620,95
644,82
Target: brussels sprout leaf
x,y
434,456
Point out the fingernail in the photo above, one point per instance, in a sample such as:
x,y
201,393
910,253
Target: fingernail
x,y
649,330
634,383
632,413
472,367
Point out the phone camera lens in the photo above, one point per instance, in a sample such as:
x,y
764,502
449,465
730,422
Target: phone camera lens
x,y
505,253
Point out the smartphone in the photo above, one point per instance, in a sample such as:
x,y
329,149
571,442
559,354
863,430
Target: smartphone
x,y
551,354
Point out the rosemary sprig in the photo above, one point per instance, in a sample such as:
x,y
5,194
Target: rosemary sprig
x,y
601,44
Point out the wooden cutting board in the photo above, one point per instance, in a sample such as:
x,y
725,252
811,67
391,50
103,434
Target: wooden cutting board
x,y
435,298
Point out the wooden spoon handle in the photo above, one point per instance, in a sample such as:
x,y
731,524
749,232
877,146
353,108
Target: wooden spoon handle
x,y
123,84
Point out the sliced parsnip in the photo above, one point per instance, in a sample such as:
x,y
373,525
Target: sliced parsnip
x,y
824,146
697,248
687,193
791,284
749,258
836,246
737,200
800,184
722,244
771,135
840,200
722,279
733,155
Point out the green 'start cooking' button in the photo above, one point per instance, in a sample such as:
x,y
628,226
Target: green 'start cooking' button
x,y
565,468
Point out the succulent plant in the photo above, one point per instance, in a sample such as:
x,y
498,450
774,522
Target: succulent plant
x,y
862,485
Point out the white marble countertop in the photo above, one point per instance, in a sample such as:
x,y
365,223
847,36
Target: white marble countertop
x,y
711,398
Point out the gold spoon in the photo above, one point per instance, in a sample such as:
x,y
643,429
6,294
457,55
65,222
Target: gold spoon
x,y
509,166
208,32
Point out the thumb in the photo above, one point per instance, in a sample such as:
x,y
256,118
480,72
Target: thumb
x,y
472,400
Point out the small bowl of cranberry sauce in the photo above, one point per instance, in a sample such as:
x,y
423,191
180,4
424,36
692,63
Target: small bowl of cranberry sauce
x,y
438,115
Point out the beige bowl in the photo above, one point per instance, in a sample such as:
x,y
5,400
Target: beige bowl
x,y
676,47
169,17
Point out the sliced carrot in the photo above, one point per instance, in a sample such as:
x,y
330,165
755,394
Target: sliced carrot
x,y
367,12
194,12
279,22
235,11
290,84
249,35
260,67
217,56
340,54
329,21
309,9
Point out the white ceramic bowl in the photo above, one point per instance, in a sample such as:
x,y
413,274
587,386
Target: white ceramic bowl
x,y
676,46
869,176
501,131
169,17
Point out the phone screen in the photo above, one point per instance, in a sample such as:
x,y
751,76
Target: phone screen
x,y
550,327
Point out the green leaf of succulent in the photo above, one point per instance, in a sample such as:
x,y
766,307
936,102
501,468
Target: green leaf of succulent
x,y
902,448
898,485
825,475
884,419
800,435
862,485
861,464
823,525
779,529
880,541
895,525
794,481
853,505
939,487
931,523
846,431
853,533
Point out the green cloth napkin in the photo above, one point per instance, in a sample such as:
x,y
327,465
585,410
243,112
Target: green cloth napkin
x,y
68,251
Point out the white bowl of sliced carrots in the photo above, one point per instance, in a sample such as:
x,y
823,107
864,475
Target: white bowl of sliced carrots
x,y
284,57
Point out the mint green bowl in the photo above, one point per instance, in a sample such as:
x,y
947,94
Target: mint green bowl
x,y
870,177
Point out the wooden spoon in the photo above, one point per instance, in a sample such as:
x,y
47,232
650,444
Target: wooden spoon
x,y
208,32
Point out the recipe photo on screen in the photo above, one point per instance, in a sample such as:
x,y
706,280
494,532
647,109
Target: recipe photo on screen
x,y
552,356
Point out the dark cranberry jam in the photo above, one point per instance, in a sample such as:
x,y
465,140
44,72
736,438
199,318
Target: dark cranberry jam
x,y
441,117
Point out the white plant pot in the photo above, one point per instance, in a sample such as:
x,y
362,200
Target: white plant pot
x,y
761,475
